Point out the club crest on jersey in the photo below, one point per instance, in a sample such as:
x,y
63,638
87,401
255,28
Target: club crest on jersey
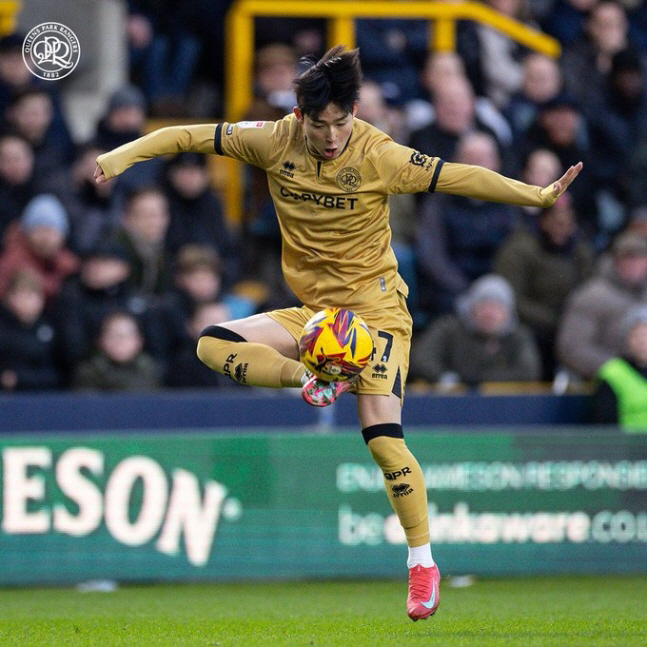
x,y
419,159
349,179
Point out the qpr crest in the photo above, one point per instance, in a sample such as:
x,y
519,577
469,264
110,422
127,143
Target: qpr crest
x,y
349,179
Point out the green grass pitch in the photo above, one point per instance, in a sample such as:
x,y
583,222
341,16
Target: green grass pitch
x,y
560,611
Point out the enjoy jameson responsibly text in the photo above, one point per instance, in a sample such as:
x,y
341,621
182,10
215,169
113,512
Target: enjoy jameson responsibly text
x,y
463,525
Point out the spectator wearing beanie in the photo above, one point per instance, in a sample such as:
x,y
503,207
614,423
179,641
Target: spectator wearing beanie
x,y
481,342
38,242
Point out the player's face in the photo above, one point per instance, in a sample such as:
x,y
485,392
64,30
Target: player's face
x,y
328,134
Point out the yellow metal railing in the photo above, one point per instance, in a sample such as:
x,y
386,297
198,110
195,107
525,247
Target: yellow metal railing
x,y
341,16
9,10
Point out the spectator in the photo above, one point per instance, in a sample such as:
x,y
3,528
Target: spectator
x,y
617,121
561,127
374,109
275,69
29,340
187,371
587,62
541,81
143,230
482,342
15,77
455,115
31,114
119,362
37,242
621,393
124,120
543,268
197,213
17,181
442,69
457,236
93,209
198,279
590,331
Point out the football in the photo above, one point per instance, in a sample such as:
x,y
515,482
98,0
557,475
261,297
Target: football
x,y
335,344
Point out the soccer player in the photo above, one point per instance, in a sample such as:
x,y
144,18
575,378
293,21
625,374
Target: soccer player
x,y
330,176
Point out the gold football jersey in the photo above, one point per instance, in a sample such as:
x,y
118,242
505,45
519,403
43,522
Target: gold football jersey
x,y
333,214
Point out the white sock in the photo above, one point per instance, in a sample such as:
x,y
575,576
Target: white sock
x,y
420,555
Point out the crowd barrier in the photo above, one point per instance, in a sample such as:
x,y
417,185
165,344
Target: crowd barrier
x,y
245,408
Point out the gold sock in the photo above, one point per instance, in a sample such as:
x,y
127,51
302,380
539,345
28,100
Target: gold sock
x,y
405,486
250,363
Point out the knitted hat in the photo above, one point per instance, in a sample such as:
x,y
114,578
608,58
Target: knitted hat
x,y
490,287
45,210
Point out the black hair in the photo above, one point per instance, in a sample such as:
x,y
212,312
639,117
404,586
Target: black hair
x,y
335,78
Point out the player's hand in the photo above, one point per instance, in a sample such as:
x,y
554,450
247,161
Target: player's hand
x,y
565,181
99,176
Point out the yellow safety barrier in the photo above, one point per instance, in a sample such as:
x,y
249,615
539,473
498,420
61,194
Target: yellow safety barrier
x,y
341,16
9,10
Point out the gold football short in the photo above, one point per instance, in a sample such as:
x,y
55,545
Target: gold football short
x,y
390,328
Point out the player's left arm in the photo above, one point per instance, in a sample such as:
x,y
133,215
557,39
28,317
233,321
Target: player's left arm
x,y
482,184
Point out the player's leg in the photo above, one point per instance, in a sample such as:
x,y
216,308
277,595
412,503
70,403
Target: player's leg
x,y
380,417
257,350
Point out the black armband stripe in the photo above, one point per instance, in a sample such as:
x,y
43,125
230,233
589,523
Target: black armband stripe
x,y
434,179
217,140
219,332
390,429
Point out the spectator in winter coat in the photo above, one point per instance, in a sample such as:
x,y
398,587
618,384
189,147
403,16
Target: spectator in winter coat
x,y
591,331
29,340
482,342
197,212
101,287
457,237
37,242
544,267
120,362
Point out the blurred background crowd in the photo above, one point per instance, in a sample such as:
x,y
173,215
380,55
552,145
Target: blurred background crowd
x,y
106,287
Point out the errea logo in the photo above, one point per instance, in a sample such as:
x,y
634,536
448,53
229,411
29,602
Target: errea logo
x,y
288,168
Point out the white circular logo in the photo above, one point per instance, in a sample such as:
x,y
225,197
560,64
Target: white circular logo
x,y
51,51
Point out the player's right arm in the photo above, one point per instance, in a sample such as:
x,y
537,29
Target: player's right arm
x,y
169,140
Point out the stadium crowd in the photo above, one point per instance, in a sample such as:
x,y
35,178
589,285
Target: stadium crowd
x,y
107,286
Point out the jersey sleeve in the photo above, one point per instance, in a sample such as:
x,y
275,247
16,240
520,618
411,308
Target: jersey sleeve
x,y
246,141
405,170
482,184
173,139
